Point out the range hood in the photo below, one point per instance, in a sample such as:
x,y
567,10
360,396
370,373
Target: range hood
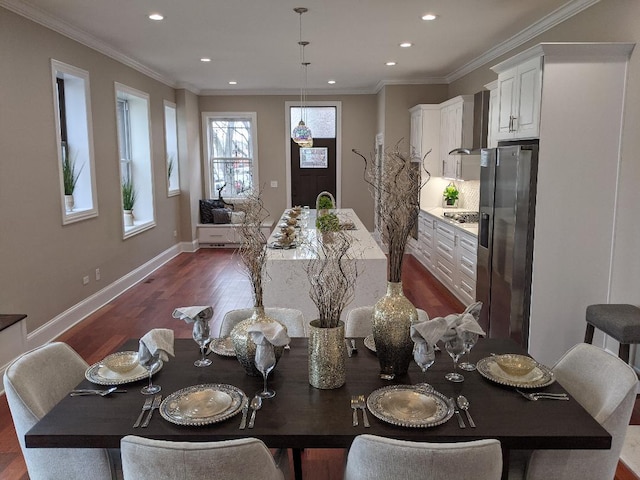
x,y
480,125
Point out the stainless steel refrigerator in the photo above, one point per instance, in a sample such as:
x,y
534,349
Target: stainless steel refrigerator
x,y
508,177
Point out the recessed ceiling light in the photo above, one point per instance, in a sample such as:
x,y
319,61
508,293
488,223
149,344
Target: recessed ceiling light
x,y
429,16
233,82
204,59
390,64
406,44
331,82
156,16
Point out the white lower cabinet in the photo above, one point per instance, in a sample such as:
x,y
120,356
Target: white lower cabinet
x,y
449,253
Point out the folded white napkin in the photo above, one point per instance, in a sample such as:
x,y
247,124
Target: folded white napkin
x,y
189,314
438,328
269,332
156,342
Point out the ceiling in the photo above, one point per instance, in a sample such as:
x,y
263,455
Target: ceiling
x,y
255,42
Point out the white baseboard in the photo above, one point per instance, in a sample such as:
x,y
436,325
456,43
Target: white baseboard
x,y
78,312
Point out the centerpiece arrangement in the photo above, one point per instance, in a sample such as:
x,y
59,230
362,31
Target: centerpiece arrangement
x,y
253,255
397,184
332,273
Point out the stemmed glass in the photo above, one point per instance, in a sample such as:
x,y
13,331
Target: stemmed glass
x,y
455,348
202,336
424,355
265,362
469,340
149,362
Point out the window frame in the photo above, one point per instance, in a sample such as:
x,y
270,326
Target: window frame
x,y
252,117
171,148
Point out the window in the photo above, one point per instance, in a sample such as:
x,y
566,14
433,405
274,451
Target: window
x,y
74,142
231,163
171,147
134,147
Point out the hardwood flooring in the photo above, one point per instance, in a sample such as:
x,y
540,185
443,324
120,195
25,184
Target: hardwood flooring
x,y
208,277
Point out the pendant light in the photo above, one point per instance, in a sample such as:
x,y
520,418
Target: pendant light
x,y
301,134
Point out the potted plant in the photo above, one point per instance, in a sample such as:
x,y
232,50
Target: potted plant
x,y
324,203
170,167
128,201
450,195
69,178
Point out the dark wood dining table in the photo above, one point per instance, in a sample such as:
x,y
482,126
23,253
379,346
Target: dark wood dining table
x,y
301,416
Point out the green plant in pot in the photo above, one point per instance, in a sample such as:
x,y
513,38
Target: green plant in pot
x,y
324,203
451,194
128,201
328,223
69,178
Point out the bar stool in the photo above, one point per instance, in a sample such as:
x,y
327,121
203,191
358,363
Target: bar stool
x,y
619,321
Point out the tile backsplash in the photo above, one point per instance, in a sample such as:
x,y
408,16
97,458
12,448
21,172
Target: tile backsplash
x,y
431,195
469,194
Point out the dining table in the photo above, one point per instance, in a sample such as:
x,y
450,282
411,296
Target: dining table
x,y
301,416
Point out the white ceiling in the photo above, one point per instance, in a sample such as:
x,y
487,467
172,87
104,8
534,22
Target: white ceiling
x,y
255,42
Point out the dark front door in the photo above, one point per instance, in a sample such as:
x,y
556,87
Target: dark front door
x,y
315,173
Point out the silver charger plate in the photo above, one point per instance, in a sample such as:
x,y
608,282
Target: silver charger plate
x,y
410,406
223,347
279,246
370,343
202,404
100,374
540,376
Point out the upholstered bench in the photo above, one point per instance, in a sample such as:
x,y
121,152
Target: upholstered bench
x,y
619,321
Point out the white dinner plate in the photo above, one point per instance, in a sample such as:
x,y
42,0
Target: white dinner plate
x,y
540,376
202,404
100,374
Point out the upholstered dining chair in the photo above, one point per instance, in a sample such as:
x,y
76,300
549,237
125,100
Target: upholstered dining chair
x,y
606,387
34,383
241,459
380,458
291,318
358,323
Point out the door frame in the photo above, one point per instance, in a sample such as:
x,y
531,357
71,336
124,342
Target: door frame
x,y
287,143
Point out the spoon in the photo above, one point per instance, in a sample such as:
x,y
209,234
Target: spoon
x,y
463,403
256,404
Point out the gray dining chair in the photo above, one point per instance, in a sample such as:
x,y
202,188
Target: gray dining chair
x,y
606,387
290,317
380,458
34,383
358,322
241,459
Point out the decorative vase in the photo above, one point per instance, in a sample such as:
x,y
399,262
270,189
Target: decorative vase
x,y
128,218
327,356
244,347
393,316
69,203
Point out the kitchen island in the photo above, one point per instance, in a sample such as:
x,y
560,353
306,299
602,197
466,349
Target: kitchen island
x,y
286,283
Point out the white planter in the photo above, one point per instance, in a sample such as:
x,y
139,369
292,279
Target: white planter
x,y
128,218
69,203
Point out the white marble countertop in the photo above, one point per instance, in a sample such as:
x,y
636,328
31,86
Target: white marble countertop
x,y
438,212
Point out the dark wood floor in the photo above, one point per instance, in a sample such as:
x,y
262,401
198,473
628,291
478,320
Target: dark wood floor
x,y
207,277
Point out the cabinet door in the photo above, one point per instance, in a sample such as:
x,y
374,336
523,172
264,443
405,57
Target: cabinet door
x,y
527,118
506,93
494,105
415,139
444,138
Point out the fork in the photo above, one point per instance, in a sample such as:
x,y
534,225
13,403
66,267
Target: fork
x,y
147,406
533,396
361,405
354,406
156,403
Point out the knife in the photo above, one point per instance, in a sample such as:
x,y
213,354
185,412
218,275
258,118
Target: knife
x,y
245,411
455,409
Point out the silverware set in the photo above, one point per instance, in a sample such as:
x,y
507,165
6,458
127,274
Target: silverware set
x,y
245,411
99,392
358,403
351,346
150,404
256,404
534,396
461,423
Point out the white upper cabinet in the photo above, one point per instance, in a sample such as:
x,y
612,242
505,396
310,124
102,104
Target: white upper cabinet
x,y
518,98
425,136
494,104
456,124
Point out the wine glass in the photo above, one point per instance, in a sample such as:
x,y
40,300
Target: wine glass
x,y
149,362
455,348
424,355
202,336
265,362
469,339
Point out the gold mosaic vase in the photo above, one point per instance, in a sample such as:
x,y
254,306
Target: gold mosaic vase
x,y
244,347
327,356
393,316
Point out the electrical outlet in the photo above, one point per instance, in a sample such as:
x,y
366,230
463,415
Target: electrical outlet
x,y
97,274
274,184
175,233
85,280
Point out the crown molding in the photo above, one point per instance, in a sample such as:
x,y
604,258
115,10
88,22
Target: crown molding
x,y
45,19
554,18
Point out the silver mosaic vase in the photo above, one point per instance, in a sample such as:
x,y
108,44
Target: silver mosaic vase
x,y
244,347
327,356
393,316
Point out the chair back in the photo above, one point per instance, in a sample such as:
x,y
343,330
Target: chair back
x,y
358,322
383,458
34,383
245,458
291,318
606,387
